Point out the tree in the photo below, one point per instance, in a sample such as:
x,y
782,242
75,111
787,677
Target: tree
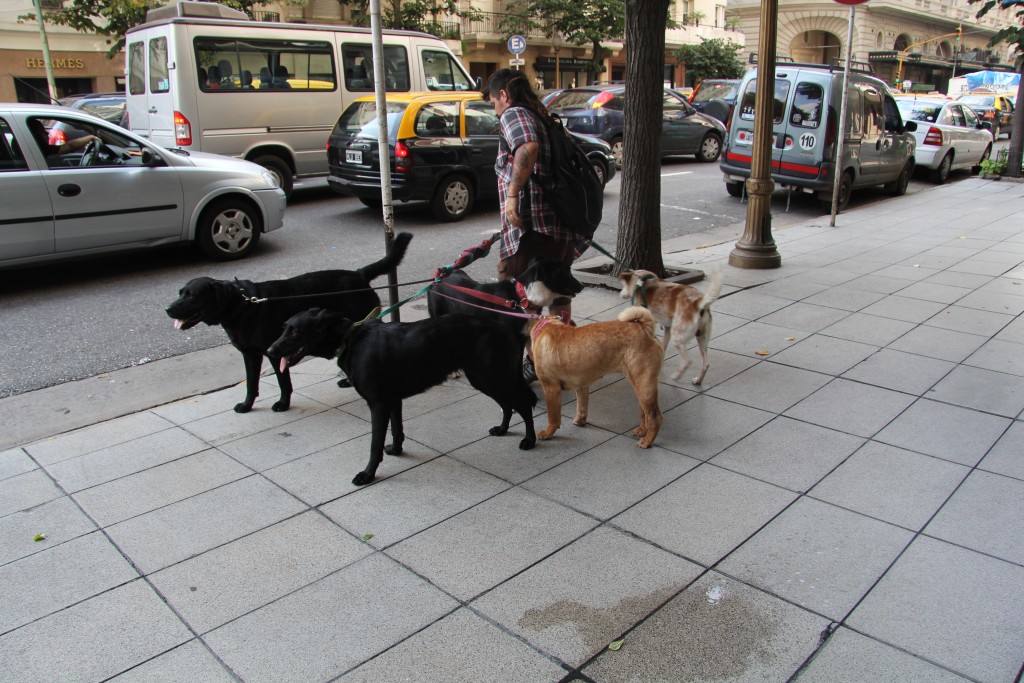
x,y
715,58
1012,35
638,243
415,15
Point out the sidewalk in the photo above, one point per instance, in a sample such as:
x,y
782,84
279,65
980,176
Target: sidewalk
x,y
848,507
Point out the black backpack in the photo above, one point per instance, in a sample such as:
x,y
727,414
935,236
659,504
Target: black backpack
x,y
573,189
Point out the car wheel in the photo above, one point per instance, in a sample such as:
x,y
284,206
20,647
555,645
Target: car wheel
x,y
601,173
229,229
735,189
453,199
710,148
975,170
843,200
898,187
617,151
940,174
280,169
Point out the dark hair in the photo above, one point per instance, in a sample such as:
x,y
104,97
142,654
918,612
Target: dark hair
x,y
519,90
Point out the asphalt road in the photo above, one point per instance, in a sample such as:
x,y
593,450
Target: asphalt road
x,y
80,319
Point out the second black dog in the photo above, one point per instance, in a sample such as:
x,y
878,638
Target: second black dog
x,y
389,362
253,327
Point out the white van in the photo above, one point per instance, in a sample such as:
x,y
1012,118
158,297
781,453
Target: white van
x,y
202,76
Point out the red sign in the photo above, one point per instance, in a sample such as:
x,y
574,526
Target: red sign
x,y
851,2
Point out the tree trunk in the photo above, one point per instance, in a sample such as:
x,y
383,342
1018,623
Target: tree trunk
x,y
638,244
1016,155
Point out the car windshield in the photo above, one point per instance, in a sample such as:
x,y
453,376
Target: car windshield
x,y
360,120
915,110
109,109
978,100
715,91
572,99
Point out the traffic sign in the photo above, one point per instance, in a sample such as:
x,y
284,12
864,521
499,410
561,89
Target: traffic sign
x,y
517,45
851,2
516,61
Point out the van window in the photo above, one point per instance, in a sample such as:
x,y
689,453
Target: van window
x,y
874,119
357,62
443,73
782,87
158,81
250,64
854,113
137,68
807,100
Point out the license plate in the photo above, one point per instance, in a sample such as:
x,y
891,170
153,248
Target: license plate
x,y
353,156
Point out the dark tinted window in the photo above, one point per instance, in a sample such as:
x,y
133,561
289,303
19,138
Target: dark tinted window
x,y
807,102
11,158
716,90
782,87
360,120
357,61
572,99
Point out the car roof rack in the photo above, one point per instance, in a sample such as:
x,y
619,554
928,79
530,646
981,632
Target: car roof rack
x,y
836,65
778,58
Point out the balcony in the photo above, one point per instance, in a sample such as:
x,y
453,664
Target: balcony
x,y
445,30
498,26
263,15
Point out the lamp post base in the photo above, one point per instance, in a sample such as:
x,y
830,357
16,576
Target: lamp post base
x,y
756,248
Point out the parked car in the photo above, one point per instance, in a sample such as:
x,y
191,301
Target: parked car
x,y
686,92
949,135
109,106
122,192
716,97
598,110
878,147
994,108
546,96
442,148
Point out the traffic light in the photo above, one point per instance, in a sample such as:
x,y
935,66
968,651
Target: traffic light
x,y
959,33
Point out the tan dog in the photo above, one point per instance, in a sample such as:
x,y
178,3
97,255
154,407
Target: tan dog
x,y
568,357
682,310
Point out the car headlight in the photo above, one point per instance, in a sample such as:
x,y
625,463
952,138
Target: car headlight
x,y
271,179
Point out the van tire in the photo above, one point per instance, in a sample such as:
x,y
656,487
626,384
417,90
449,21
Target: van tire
x,y
710,148
898,187
718,109
280,169
941,174
845,190
735,189
229,229
453,199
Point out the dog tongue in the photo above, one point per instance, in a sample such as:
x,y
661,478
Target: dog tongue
x,y
178,324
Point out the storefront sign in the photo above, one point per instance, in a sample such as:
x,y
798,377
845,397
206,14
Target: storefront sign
x,y
57,62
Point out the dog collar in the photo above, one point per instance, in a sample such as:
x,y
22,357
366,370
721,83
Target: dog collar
x,y
538,326
642,288
352,328
524,302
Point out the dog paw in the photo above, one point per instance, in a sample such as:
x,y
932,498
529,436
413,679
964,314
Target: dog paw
x,y
345,383
281,406
527,444
243,407
498,431
697,381
580,422
645,443
392,449
639,431
546,434
362,479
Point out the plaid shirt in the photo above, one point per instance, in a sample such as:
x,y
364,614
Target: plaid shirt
x,y
518,126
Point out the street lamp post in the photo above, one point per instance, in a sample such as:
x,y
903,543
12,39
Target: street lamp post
x,y
556,42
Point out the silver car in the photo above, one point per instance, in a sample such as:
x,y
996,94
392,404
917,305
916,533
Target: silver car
x,y
109,190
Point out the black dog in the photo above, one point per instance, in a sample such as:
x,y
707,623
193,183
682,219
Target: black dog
x,y
393,361
253,327
541,284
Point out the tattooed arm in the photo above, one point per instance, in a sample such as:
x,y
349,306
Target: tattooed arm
x,y
522,166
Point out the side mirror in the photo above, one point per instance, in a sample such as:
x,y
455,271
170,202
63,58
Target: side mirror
x,y
150,159
910,126
985,125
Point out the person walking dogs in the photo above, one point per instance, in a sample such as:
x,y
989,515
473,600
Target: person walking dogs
x,y
529,227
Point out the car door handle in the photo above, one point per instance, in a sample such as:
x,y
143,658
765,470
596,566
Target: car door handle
x,y
69,190
152,110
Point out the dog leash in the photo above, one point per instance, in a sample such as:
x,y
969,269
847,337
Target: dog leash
x,y
374,314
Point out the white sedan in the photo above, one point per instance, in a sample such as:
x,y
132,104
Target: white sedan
x,y
949,135
108,189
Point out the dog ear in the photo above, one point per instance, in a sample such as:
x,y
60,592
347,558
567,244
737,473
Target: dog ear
x,y
647,277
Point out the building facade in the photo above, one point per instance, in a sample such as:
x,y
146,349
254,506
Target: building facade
x,y
910,43
80,63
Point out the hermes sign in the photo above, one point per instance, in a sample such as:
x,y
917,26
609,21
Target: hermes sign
x,y
57,62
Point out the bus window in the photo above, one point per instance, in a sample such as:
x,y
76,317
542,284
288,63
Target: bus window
x,y
357,61
226,64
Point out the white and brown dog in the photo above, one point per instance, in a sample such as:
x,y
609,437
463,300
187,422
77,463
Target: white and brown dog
x,y
570,357
682,310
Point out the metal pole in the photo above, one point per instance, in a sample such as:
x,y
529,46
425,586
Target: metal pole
x,y
383,148
46,52
756,248
837,170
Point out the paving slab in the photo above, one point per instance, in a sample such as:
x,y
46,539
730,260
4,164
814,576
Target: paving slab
x,y
986,514
847,651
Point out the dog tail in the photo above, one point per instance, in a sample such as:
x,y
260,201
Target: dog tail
x,y
714,289
390,261
641,316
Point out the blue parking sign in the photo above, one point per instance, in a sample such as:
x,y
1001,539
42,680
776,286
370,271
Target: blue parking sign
x,y
516,45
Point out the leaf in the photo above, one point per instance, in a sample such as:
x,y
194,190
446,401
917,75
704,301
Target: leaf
x,y
39,537
763,352
790,338
367,537
615,646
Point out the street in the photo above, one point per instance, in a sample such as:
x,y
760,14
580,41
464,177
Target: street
x,y
79,319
